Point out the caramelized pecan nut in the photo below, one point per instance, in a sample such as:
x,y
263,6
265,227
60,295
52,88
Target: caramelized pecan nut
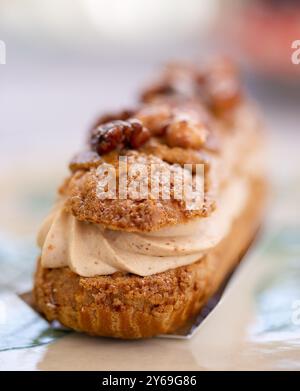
x,y
118,134
186,134
217,86
155,118
223,92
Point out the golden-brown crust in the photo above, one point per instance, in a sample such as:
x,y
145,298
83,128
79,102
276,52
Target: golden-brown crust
x,y
130,306
130,214
175,155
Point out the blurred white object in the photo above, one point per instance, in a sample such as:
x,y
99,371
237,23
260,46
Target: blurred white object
x,y
123,21
134,20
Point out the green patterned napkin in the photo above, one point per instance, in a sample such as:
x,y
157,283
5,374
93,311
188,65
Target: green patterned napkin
x,y
20,325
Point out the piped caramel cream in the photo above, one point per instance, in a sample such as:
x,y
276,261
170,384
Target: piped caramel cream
x,y
89,249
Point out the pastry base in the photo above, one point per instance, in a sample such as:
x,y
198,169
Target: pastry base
x,y
129,306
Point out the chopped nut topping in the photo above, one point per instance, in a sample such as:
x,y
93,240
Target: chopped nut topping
x,y
177,80
217,86
155,118
138,134
222,86
186,134
180,110
117,135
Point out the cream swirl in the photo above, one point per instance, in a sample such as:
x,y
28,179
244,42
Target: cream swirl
x,y
89,249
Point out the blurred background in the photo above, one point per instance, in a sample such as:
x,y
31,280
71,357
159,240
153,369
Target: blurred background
x,y
67,61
